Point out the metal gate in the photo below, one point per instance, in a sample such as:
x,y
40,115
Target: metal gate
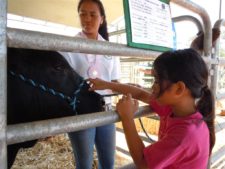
x,y
28,39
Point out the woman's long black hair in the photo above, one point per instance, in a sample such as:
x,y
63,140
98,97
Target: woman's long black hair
x,y
103,30
189,67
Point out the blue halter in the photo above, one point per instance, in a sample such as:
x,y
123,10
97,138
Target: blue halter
x,y
72,100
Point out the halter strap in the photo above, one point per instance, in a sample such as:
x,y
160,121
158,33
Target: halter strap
x,y
72,100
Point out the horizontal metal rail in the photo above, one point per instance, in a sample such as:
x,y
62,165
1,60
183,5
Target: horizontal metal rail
x,y
118,32
39,129
45,41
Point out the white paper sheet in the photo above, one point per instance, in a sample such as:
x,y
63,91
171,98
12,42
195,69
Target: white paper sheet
x,y
151,22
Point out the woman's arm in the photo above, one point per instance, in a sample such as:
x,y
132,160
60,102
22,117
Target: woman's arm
x,y
137,93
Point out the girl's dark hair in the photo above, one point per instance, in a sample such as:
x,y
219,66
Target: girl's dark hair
x,y
189,67
103,31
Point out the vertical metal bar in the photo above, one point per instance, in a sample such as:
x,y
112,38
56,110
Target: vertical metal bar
x,y
220,11
218,24
3,20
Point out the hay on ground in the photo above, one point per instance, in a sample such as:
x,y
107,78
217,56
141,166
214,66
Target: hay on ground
x,y
53,153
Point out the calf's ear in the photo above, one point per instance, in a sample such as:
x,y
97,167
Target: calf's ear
x,y
215,35
197,43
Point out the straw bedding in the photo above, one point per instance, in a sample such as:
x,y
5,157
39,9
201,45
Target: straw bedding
x,y
53,153
50,153
56,152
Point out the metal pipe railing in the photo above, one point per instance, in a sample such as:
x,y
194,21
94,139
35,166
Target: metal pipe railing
x,y
27,39
118,32
188,18
218,24
45,41
3,89
206,22
175,19
40,129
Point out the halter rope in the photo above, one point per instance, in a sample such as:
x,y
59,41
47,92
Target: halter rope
x,y
72,100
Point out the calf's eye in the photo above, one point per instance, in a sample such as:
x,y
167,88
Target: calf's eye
x,y
59,68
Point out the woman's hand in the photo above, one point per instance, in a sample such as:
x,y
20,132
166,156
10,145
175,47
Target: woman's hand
x,y
97,84
126,107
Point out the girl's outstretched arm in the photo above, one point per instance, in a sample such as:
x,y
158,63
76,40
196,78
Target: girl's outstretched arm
x,y
137,93
126,107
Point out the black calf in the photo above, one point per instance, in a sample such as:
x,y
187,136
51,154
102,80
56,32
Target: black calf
x,y
42,85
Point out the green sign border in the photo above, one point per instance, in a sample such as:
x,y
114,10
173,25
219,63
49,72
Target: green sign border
x,y
129,31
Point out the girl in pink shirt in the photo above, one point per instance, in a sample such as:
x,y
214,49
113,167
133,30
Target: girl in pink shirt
x,y
183,101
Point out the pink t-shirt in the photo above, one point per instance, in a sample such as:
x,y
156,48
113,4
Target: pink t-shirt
x,y
183,142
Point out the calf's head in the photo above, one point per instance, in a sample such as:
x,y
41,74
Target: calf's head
x,y
42,85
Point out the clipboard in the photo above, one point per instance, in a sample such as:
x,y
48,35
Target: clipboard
x,y
148,25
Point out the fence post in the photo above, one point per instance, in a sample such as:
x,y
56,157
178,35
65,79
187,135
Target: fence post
x,y
3,20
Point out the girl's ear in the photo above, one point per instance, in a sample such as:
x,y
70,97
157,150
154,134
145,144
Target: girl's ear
x,y
180,88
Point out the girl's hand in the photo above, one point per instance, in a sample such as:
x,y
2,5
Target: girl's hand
x,y
126,107
97,84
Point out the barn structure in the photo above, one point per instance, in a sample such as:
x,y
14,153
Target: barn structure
x,y
64,12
